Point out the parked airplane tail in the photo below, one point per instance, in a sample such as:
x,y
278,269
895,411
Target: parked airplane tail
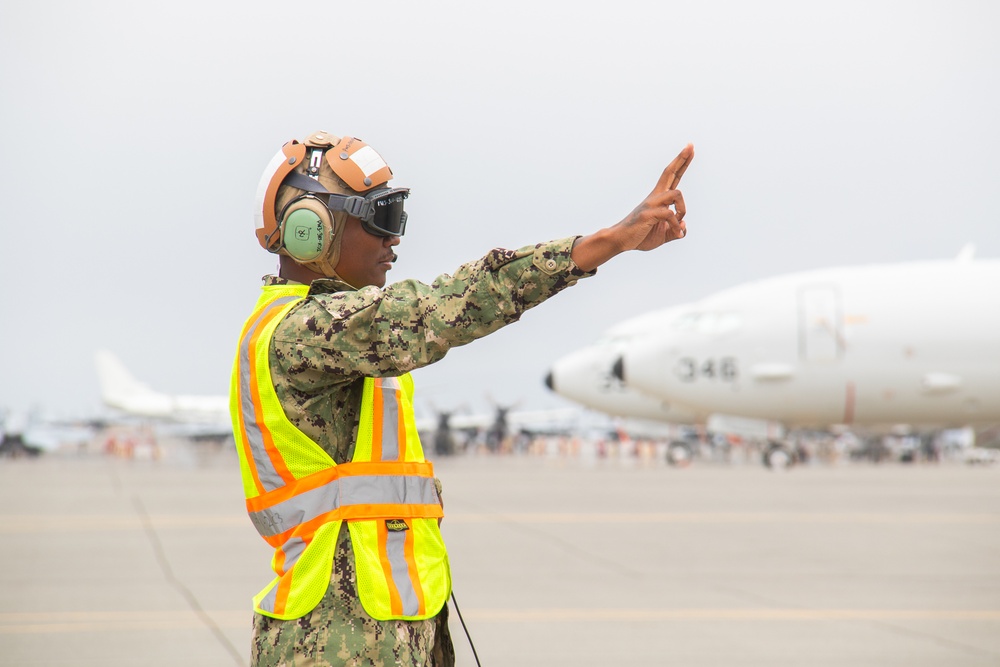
x,y
120,390
117,383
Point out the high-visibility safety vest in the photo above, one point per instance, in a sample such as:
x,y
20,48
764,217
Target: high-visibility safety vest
x,y
297,497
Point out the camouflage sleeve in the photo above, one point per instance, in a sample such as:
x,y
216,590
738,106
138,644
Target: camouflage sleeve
x,y
384,332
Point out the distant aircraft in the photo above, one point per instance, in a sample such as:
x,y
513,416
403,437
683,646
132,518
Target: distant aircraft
x,y
913,343
495,428
207,417
31,433
203,416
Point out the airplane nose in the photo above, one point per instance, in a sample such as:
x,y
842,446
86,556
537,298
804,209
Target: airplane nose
x,y
618,369
549,382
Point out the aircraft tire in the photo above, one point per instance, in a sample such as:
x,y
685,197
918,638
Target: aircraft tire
x,y
679,454
779,457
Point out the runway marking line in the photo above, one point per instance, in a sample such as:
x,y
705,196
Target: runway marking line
x,y
725,517
61,622
20,523
737,614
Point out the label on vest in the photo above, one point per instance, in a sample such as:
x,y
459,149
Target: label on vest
x,y
396,525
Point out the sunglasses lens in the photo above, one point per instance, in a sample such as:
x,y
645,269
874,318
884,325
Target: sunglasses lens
x,y
389,218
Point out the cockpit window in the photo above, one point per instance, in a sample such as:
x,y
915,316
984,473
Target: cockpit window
x,y
687,322
710,324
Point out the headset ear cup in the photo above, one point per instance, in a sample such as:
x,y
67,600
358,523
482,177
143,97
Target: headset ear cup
x,y
306,229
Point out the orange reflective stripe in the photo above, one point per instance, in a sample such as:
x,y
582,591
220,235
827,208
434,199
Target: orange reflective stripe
x,y
281,494
411,565
247,451
307,529
358,512
272,452
395,602
304,531
279,561
262,474
284,588
318,479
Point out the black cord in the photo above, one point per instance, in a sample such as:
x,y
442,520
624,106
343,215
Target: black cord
x,y
459,611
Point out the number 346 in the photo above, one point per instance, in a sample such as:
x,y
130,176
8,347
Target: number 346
x,y
690,369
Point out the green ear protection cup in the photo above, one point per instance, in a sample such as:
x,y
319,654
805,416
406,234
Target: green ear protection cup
x,y
304,229
303,237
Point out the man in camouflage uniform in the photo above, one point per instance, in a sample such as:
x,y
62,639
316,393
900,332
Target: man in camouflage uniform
x,y
350,327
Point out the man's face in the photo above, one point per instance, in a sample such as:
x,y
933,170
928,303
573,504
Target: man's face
x,y
364,258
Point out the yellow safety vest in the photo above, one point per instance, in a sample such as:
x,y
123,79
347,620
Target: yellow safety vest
x,y
297,497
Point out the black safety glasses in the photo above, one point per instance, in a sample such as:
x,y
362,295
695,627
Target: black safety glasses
x,y
380,212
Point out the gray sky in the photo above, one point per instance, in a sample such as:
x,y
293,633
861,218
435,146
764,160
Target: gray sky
x,y
133,136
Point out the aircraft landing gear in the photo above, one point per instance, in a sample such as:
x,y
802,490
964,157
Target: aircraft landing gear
x,y
779,457
679,454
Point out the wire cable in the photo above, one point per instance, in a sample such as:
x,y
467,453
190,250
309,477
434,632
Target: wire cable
x,y
468,636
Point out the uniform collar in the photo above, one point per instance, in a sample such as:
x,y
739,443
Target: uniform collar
x,y
318,286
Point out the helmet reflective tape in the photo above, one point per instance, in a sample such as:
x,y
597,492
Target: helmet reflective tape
x,y
263,186
290,156
368,160
358,164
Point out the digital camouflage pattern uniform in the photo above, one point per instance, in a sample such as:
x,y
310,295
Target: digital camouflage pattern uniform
x,y
321,353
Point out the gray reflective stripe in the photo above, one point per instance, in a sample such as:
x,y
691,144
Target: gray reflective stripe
x,y
268,476
352,490
293,549
390,419
395,549
267,603
297,509
387,490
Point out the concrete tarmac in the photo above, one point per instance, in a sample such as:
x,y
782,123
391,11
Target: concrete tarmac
x,y
556,561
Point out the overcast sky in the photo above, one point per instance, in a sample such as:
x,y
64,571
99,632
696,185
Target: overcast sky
x,y
133,136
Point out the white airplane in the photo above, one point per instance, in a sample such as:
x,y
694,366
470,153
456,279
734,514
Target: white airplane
x,y
206,416
874,346
201,417
587,376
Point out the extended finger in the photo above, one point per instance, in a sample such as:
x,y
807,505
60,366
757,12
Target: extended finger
x,y
688,154
671,176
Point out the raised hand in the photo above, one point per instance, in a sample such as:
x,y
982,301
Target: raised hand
x,y
659,218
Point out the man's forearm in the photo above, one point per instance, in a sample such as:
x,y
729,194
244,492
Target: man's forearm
x,y
589,252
